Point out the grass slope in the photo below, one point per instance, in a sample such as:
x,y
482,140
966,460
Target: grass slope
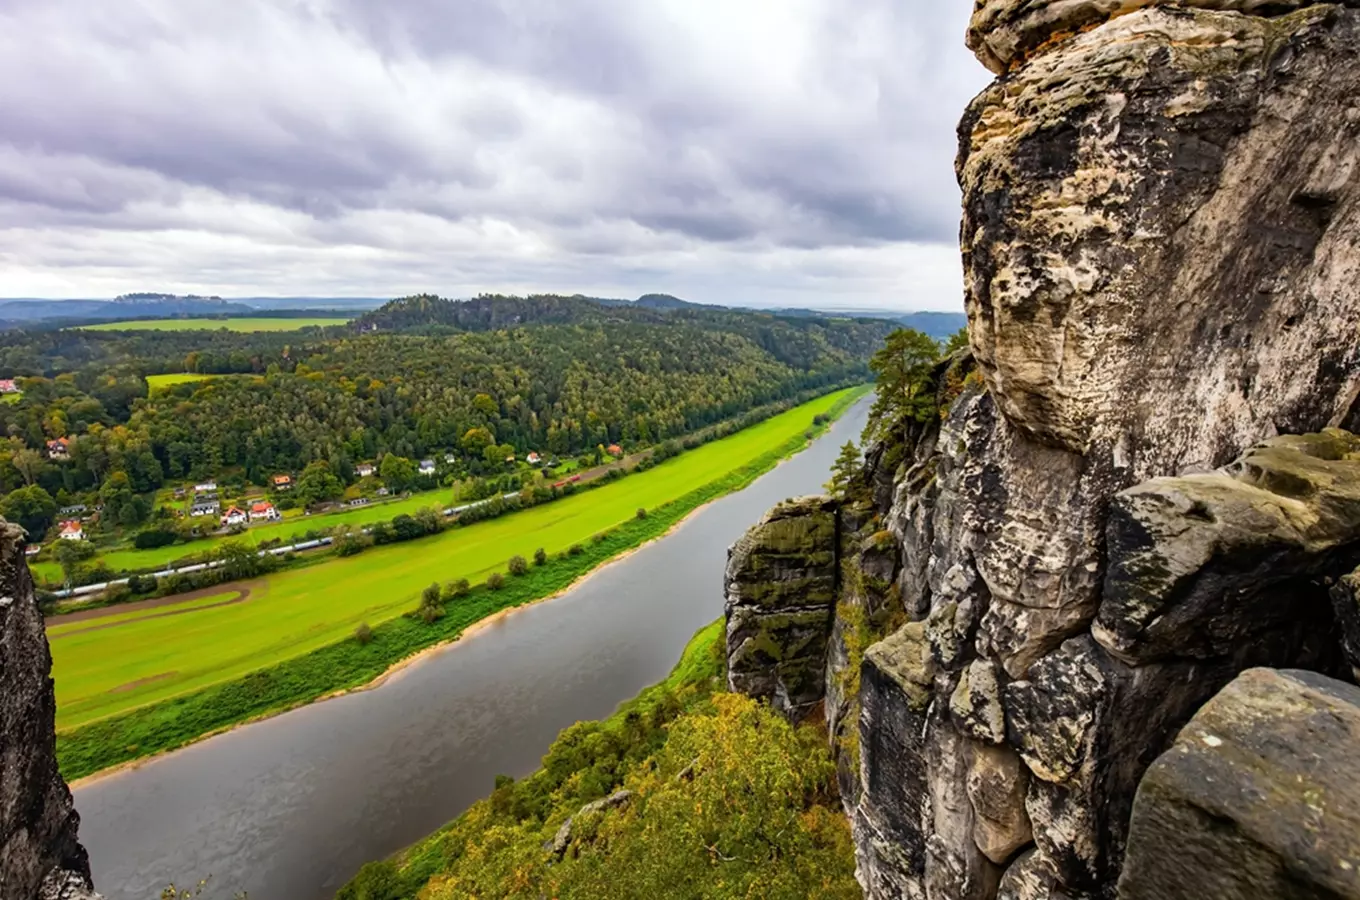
x,y
153,685
761,792
245,323
160,382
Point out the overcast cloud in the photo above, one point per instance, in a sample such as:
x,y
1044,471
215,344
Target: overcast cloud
x,y
768,152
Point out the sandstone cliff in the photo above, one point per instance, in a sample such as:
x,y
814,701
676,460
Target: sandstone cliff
x,y
40,855
1132,493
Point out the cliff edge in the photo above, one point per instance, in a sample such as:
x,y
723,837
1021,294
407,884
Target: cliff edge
x,y
40,853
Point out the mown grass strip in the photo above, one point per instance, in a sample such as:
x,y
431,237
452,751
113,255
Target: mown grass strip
x,y
178,721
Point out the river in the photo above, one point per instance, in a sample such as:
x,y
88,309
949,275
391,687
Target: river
x,y
290,807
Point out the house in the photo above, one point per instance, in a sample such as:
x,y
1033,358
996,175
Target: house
x,y
59,449
614,450
427,467
32,549
450,458
205,507
263,512
359,501
510,458
234,516
73,510
71,531
283,482
533,459
382,492
364,470
7,386
206,487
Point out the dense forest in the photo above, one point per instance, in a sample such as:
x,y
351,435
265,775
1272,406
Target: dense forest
x,y
469,382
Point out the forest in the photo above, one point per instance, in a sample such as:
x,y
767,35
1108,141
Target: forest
x,y
472,382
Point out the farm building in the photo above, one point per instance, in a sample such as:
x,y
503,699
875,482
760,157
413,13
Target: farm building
x,y
283,482
71,531
427,467
205,506
59,449
364,470
234,516
263,512
206,487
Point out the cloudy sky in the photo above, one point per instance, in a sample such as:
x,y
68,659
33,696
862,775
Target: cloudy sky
x,y
769,152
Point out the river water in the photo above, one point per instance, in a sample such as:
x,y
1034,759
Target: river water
x,y
289,808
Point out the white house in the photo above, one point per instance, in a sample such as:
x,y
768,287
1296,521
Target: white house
x,y
32,549
206,487
59,449
263,512
71,531
364,470
283,482
234,516
450,458
427,467
533,459
203,507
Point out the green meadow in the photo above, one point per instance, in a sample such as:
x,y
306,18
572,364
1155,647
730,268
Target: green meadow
x,y
161,382
244,323
149,659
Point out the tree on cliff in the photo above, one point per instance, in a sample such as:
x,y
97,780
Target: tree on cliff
x,y
902,368
844,470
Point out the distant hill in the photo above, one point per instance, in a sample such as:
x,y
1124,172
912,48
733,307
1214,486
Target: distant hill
x,y
129,306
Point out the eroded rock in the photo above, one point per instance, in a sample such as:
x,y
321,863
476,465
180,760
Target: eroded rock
x,y
781,595
40,852
1258,798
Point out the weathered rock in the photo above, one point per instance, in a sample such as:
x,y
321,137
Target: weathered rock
x,y
997,782
40,853
975,704
1201,563
1346,605
1003,32
1258,798
781,595
567,831
895,697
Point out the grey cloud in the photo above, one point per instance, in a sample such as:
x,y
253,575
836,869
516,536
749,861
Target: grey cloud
x,y
515,132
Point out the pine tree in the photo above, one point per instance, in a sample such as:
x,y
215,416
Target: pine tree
x,y
844,471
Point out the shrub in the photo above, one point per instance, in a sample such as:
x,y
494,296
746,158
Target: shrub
x,y
142,584
459,588
599,537
495,581
117,593
430,596
575,550
147,540
375,881
518,565
540,557
641,513
430,614
363,634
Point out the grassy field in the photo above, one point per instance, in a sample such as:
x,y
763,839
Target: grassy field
x,y
182,719
145,660
160,382
246,323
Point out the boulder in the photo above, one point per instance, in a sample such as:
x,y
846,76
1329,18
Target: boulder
x,y
1258,799
40,852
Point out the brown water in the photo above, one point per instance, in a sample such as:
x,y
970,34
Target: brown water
x,y
289,808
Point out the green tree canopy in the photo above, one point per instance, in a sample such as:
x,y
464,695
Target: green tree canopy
x,y
32,507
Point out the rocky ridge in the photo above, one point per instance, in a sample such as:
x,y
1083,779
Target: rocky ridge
x,y
1143,478
40,852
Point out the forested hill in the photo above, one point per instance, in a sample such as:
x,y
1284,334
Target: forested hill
x,y
484,382
799,342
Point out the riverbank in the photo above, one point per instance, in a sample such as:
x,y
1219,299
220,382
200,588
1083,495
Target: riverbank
x,y
169,724
682,749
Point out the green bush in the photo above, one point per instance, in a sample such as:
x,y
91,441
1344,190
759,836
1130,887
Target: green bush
x,y
375,881
641,513
518,565
575,550
363,634
495,581
458,589
430,596
540,557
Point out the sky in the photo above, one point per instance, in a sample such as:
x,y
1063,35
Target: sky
x,y
752,152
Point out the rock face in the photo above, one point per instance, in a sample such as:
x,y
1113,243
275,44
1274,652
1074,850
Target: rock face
x,y
1143,478
781,595
40,855
1258,798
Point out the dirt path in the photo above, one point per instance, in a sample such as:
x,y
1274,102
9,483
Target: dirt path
x,y
241,595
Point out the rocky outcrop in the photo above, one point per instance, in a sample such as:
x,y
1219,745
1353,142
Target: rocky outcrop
x,y
1105,526
781,595
1258,798
40,854
567,831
